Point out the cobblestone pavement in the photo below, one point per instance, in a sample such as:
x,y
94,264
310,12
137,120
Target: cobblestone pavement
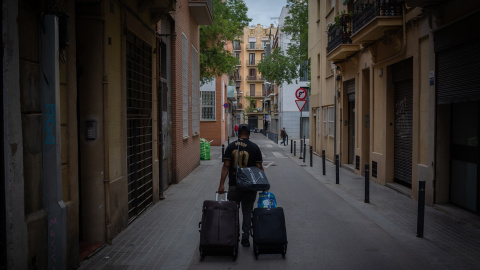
x,y
329,226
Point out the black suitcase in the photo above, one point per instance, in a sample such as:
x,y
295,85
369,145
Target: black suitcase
x,y
219,229
269,231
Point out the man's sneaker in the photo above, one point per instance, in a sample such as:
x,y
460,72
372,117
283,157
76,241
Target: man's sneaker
x,y
245,242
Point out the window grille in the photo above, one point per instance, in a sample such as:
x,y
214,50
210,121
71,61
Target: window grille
x,y
195,90
208,105
185,84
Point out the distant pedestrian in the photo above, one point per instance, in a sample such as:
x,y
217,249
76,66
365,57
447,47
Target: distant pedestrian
x,y
283,135
246,154
236,130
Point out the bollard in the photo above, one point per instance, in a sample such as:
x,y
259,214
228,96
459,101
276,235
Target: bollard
x,y
223,151
323,161
228,139
421,208
301,145
286,140
311,153
304,150
337,170
367,184
291,146
294,148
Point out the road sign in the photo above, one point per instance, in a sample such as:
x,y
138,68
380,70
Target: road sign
x,y
301,93
225,105
300,104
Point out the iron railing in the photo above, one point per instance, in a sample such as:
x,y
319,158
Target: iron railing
x,y
335,37
364,11
272,136
255,78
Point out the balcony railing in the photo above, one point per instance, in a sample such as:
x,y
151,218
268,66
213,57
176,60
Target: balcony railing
x,y
252,62
366,10
255,78
237,48
256,46
337,35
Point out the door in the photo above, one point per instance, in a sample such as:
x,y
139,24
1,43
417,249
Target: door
x,y
253,122
465,153
351,127
403,132
252,59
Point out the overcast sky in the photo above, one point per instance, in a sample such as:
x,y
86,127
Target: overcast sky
x,y
262,11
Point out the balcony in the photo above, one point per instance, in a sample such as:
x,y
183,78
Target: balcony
x,y
157,8
255,79
340,45
372,18
258,46
202,11
237,48
238,79
252,62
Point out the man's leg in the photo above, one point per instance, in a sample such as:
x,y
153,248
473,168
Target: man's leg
x,y
248,199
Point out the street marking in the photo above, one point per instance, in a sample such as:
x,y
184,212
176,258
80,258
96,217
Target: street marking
x,y
269,145
267,164
279,155
263,155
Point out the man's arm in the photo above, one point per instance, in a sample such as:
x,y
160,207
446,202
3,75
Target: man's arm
x,y
223,176
260,165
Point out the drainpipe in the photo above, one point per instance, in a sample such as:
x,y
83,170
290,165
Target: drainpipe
x,y
51,152
106,175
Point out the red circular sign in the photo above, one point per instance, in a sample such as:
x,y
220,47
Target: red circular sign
x,y
225,105
301,93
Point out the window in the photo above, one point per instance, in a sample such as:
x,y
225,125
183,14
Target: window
x,y
252,90
331,119
263,56
195,89
252,59
304,71
252,73
208,105
236,44
185,84
252,45
263,90
318,10
264,44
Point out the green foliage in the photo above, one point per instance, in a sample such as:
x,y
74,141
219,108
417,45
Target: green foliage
x,y
284,66
278,67
229,19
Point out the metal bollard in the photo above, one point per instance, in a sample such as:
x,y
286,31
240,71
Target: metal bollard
x,y
367,184
286,140
294,148
291,146
223,151
323,161
311,155
228,139
337,170
421,208
304,150
301,145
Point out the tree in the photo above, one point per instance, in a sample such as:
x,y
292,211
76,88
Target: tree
x,y
229,20
284,66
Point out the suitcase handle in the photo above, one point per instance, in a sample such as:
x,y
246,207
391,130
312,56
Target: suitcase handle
x,y
200,226
216,195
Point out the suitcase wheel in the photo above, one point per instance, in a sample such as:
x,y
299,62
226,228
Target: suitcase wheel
x,y
235,253
255,251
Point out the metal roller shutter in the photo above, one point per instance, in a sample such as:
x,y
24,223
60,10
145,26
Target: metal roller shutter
x,y
403,132
458,78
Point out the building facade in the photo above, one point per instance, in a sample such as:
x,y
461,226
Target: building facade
x,y
98,95
250,50
296,122
382,95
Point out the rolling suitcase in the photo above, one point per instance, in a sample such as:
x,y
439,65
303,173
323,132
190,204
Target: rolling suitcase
x,y
219,228
269,231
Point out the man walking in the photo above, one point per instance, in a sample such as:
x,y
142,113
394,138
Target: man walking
x,y
243,153
283,135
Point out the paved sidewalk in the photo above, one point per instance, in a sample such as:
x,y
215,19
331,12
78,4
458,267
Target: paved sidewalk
x,y
165,236
451,230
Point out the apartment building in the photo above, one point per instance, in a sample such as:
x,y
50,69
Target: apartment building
x,y
100,114
394,86
252,102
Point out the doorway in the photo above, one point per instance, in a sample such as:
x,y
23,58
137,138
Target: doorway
x,y
350,119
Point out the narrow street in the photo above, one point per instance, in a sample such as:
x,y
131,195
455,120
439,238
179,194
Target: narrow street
x,y
328,225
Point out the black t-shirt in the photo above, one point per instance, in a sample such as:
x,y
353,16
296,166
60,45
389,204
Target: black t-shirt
x,y
249,155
